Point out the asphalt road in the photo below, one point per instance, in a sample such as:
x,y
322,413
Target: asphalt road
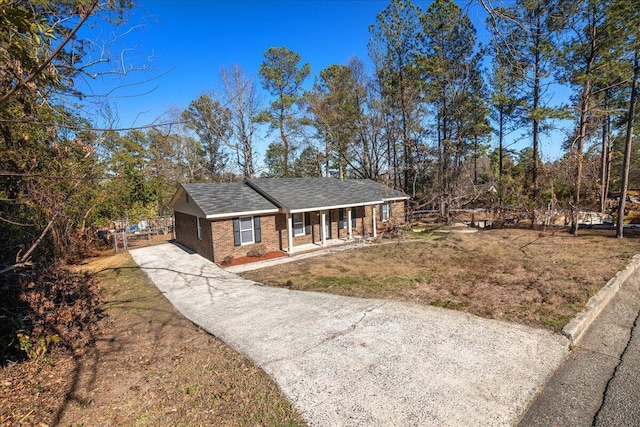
x,y
599,383
620,406
364,362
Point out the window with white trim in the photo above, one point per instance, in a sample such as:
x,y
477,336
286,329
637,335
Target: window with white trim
x,y
298,224
246,230
385,211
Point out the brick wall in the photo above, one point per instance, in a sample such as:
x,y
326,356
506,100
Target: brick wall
x,y
314,237
217,235
281,229
308,238
367,220
336,231
187,234
334,217
358,230
222,231
397,217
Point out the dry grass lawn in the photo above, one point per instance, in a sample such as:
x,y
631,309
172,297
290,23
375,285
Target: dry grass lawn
x,y
150,367
536,278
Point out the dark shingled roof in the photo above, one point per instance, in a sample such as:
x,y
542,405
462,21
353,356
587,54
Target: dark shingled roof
x,y
227,197
311,193
375,190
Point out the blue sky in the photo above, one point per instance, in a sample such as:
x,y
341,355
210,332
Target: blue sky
x,y
184,44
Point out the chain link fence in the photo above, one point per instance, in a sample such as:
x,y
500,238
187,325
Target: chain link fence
x,y
125,236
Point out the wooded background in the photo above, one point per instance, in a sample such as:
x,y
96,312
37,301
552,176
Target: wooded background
x,y
435,118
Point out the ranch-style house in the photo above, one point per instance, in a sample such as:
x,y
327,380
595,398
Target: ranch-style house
x,y
221,221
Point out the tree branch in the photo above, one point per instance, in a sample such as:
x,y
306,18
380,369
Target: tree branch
x,y
54,54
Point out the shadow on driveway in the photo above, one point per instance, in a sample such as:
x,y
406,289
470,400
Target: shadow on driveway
x,y
352,361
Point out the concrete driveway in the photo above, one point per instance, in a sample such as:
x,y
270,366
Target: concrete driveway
x,y
363,362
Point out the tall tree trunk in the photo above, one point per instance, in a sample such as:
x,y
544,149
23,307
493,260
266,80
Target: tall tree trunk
x,y
247,154
396,175
536,137
390,160
446,164
405,136
285,143
582,134
627,145
605,157
585,105
500,159
326,156
475,159
366,161
440,182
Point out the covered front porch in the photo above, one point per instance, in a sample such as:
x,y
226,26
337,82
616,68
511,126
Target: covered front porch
x,y
307,247
311,230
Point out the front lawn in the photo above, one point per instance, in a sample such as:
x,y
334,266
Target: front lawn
x,y
150,366
536,278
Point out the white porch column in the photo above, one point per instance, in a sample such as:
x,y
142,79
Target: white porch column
x,y
323,222
290,233
374,209
349,228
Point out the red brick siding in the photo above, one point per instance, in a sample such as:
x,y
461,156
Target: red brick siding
x,y
281,229
217,235
367,221
398,212
336,231
358,230
397,217
314,237
223,238
187,234
315,231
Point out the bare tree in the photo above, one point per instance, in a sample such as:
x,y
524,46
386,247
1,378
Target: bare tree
x,y
244,103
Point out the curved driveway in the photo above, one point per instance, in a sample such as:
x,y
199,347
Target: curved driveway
x,y
363,362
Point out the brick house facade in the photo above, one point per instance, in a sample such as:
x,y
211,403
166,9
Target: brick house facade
x,y
223,221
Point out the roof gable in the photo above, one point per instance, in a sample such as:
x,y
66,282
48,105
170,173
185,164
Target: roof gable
x,y
223,199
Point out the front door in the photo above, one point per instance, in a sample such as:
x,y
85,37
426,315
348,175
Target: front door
x,y
327,225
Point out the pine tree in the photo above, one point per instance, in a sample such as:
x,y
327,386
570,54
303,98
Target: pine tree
x,y
450,65
393,47
282,77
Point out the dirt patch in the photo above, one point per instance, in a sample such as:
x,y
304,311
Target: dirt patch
x,y
150,366
248,259
538,278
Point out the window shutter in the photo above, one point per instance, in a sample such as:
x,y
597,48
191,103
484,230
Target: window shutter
x,y
307,223
257,232
390,205
354,221
380,216
236,232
